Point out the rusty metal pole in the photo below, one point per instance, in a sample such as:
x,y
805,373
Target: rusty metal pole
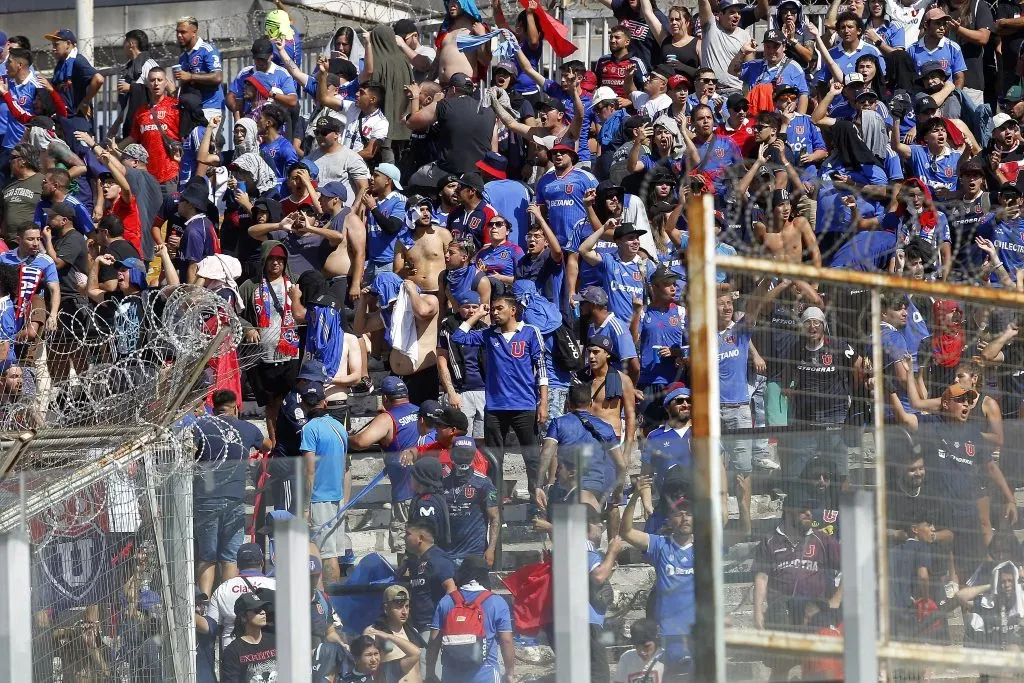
x,y
702,295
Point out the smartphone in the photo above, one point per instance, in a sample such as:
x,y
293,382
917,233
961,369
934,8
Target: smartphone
x,y
784,136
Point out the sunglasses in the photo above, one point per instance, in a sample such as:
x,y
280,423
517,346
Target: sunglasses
x,y
708,80
742,108
497,224
681,400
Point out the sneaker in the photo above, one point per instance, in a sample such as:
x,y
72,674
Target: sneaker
x,y
766,463
363,387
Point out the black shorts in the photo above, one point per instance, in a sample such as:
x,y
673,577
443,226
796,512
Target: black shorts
x,y
273,379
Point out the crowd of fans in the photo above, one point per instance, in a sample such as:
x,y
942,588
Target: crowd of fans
x,y
508,250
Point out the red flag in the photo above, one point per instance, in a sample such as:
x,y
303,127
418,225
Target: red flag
x,y
555,32
530,586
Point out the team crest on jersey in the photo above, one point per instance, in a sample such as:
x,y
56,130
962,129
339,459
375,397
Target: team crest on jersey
x,y
503,254
474,223
729,338
944,63
517,348
636,276
319,608
799,129
22,100
969,449
569,187
810,551
949,172
720,152
826,359
469,492
195,60
830,516
673,320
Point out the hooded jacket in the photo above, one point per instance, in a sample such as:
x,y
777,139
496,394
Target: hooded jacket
x,y
247,290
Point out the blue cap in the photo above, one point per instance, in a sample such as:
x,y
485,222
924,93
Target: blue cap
x,y
62,34
675,391
313,393
431,409
132,263
394,387
313,370
594,295
249,554
471,297
315,565
602,342
463,444
334,189
314,170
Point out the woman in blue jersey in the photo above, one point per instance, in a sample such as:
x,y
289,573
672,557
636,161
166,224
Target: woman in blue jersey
x,y
499,257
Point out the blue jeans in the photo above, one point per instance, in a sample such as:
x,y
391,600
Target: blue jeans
x,y
219,526
556,404
757,385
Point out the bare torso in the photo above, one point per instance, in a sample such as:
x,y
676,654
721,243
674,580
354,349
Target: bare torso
x,y
340,262
608,409
428,255
426,346
450,60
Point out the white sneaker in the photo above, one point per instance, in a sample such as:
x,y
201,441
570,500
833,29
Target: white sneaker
x,y
766,463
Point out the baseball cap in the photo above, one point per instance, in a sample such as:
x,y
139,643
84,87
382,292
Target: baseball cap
x,y
493,164
461,447
865,92
627,230
780,196
852,78
736,100
328,124
594,295
924,103
470,297
453,417
461,81
394,387
396,593
431,409
602,342
800,500
664,272
392,172
930,67
250,602
786,89
312,370
313,393
1010,188
956,391
774,36
678,81
249,554
262,48
546,103
62,34
62,209
812,313
334,189
404,27
565,144
603,94
1001,119
1014,94
315,565
507,66
972,166
137,152
677,390
131,263
726,4
935,13
472,180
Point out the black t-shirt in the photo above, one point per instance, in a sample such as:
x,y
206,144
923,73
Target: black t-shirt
x,y
462,134
822,382
71,248
954,455
243,662
904,509
223,443
641,35
1010,42
427,574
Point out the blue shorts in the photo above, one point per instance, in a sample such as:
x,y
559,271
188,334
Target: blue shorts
x,y
219,525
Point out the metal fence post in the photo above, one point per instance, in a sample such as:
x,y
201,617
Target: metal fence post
x,y
860,610
291,607
709,632
569,565
15,607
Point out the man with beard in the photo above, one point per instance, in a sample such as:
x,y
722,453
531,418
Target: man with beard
x,y
56,184
472,505
957,453
818,380
473,213
562,189
794,566
424,250
447,198
200,66
673,560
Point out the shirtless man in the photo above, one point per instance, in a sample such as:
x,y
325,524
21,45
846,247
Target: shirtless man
x,y
348,259
449,59
421,377
426,256
610,386
787,238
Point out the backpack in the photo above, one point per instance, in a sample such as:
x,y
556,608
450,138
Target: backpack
x,y
463,639
567,351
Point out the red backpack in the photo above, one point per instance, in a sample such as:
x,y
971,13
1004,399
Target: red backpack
x,y
463,638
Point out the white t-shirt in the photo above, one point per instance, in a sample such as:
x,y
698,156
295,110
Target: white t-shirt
x,y
907,16
651,108
222,605
631,670
361,127
717,51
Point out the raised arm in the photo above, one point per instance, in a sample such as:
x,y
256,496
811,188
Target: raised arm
x,y
657,28
897,143
636,538
704,13
528,69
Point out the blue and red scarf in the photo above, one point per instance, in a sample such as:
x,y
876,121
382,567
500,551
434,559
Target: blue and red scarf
x,y
288,344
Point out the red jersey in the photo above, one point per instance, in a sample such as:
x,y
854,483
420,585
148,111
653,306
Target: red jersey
x,y
146,131
480,464
612,72
744,136
128,212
